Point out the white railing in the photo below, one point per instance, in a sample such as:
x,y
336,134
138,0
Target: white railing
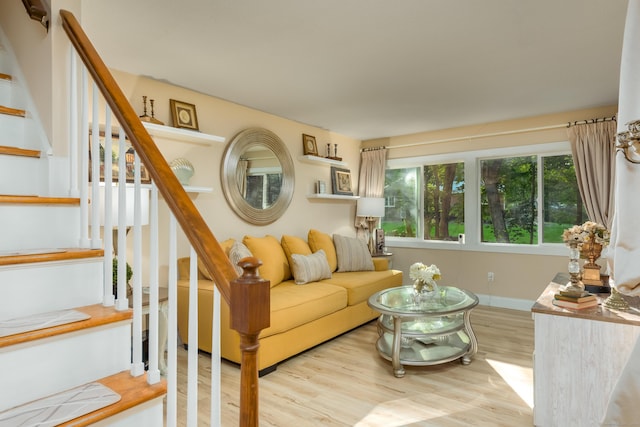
x,y
106,205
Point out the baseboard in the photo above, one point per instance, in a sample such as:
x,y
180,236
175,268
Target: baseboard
x,y
503,302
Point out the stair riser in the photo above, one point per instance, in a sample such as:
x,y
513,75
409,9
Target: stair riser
x,y
44,287
5,92
12,131
39,226
49,366
148,414
22,175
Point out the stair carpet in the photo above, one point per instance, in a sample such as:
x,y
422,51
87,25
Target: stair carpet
x,y
84,404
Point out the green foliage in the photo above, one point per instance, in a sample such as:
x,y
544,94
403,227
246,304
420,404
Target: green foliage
x,y
115,272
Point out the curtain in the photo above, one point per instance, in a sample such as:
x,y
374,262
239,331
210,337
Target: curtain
x,y
371,179
593,149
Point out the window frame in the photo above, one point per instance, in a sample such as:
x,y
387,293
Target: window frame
x,y
472,214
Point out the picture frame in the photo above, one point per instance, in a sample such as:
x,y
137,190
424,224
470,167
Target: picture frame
x,y
183,115
309,146
341,181
380,241
145,178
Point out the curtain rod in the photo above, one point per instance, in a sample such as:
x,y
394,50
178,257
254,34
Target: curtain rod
x,y
584,122
373,149
488,135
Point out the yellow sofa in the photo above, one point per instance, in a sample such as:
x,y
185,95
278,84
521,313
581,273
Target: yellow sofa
x,y
302,315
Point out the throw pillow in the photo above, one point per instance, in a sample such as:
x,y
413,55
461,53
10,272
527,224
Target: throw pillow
x,y
319,240
310,268
268,249
236,253
294,245
226,247
352,253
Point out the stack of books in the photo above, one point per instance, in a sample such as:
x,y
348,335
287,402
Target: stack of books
x,y
574,300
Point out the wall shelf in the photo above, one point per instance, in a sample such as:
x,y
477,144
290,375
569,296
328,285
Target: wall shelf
x,y
321,160
182,135
331,197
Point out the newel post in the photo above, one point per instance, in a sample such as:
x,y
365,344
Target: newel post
x,y
250,314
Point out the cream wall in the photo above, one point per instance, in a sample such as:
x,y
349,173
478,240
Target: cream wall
x,y
226,119
517,276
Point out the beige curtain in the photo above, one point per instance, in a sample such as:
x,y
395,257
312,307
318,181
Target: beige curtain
x,y
371,179
593,148
241,176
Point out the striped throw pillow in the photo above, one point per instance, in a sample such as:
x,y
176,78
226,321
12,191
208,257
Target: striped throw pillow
x,y
310,268
236,253
352,254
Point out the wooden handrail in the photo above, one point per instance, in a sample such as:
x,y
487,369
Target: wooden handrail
x,y
250,299
182,207
37,11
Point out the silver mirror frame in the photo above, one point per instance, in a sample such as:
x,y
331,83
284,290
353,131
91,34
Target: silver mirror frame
x,y
237,146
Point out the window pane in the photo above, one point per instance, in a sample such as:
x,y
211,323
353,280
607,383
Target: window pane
x,y
508,200
443,201
562,202
401,202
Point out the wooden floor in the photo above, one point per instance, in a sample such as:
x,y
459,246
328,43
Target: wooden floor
x,y
345,383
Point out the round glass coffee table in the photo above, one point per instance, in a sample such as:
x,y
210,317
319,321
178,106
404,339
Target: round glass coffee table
x,y
415,331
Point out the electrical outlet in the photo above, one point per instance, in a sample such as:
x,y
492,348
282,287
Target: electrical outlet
x,y
490,276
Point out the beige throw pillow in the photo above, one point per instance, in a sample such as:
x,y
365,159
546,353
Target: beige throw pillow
x,y
236,253
310,268
352,254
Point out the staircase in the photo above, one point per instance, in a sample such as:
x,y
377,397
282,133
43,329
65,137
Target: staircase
x,y
64,357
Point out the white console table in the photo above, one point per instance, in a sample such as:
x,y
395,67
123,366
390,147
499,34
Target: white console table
x,y
578,358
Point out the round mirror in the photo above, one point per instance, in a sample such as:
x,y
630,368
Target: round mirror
x,y
257,176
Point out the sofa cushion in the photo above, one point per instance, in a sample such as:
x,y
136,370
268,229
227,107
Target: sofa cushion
x,y
267,249
293,305
319,240
203,273
310,268
294,245
352,254
360,285
236,253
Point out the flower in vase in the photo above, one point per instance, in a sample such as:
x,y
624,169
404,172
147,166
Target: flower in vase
x,y
424,276
589,231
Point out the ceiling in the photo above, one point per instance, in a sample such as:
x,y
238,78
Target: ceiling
x,y
373,68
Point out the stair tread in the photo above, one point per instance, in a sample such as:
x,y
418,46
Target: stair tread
x,y
48,255
15,151
99,315
12,111
38,200
133,391
4,76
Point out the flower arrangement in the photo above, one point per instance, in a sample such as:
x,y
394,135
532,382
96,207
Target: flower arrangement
x,y
424,276
580,234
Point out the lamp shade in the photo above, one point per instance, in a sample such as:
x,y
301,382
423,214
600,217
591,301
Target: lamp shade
x,y
129,220
370,206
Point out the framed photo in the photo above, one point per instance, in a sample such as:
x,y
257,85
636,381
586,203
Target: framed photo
x,y
183,115
115,159
309,145
341,181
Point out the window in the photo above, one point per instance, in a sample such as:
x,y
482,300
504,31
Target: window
x,y
520,197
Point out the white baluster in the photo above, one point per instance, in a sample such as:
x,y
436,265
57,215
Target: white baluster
x,y
108,298
216,370
172,340
122,302
73,126
153,375
137,367
192,356
84,163
95,172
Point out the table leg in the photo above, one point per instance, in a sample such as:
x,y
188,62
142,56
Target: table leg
x,y
398,370
473,342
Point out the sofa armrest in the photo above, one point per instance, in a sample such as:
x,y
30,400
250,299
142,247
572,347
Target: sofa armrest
x,y
380,264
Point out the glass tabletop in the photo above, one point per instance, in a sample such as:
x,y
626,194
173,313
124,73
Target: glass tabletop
x,y
403,300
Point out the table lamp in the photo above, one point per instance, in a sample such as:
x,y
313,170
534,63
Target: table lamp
x,y
129,210
371,208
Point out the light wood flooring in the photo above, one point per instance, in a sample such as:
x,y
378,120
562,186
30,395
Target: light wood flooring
x,y
344,382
